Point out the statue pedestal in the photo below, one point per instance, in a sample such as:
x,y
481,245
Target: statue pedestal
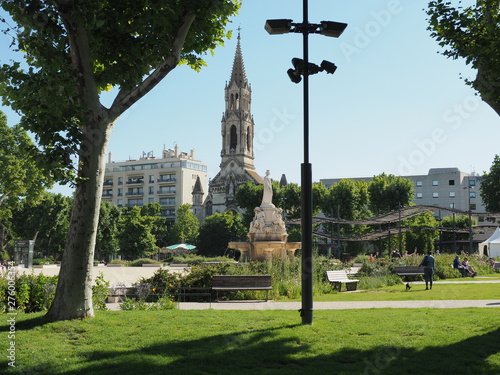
x,y
267,235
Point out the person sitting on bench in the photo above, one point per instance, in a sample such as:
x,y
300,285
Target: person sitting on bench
x,y
468,267
458,265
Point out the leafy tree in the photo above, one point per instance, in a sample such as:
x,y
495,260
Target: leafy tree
x,y
107,243
454,222
421,236
136,239
218,230
389,192
75,50
19,174
47,220
472,33
186,226
490,187
248,196
159,227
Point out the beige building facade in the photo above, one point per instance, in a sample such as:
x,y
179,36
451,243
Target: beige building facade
x,y
169,181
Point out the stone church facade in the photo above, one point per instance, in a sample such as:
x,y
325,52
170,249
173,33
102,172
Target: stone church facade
x,y
237,153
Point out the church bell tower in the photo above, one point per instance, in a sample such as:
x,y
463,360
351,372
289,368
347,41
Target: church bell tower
x,y
237,153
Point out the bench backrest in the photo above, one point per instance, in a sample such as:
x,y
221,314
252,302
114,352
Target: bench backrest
x,y
408,269
337,275
241,281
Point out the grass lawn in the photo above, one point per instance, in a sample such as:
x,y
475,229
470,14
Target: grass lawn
x,y
473,290
374,341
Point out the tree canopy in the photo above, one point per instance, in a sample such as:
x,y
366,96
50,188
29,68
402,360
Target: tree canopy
x,y
490,187
74,50
472,33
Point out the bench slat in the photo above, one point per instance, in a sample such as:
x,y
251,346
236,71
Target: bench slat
x,y
336,278
242,282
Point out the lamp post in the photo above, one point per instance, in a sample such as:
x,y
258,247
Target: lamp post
x,y
469,186
302,68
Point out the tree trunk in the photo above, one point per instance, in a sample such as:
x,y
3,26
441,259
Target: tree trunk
x,y
73,298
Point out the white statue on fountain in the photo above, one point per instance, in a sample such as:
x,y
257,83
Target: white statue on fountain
x,y
267,197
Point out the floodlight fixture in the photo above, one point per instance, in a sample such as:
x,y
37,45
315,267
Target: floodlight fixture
x,y
328,67
294,75
331,28
281,26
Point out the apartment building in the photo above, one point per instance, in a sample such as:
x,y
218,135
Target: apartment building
x,y
169,180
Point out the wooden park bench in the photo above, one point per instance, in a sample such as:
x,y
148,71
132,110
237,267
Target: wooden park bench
x,y
241,282
406,271
336,278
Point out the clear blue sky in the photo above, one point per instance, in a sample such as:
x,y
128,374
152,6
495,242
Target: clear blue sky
x,y
394,104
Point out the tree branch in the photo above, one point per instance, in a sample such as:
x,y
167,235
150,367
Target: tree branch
x,y
126,98
81,60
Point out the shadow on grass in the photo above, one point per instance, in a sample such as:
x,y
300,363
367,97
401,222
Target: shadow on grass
x,y
266,351
25,324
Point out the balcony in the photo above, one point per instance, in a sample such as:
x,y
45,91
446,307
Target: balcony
x,y
138,180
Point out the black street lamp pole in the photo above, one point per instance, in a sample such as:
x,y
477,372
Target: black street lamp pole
x,y
306,182
302,68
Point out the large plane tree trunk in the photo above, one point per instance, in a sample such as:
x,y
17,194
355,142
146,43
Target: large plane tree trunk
x,y
73,298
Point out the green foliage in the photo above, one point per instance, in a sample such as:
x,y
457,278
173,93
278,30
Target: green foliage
x,y
47,220
107,242
32,292
389,192
136,239
186,226
141,261
490,187
472,33
100,292
217,231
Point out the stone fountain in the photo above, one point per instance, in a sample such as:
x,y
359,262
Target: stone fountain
x,y
267,235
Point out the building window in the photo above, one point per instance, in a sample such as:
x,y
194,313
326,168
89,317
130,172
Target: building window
x,y
120,180
151,179
435,195
472,182
472,194
419,183
419,195
151,200
234,138
472,206
151,190
435,183
452,194
451,182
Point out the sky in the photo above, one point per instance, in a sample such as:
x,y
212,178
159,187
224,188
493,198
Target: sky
x,y
395,105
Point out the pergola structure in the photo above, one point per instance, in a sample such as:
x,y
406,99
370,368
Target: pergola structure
x,y
394,217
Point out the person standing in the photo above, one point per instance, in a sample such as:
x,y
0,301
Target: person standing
x,y
428,263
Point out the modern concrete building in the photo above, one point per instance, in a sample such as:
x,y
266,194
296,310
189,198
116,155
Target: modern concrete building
x,y
441,187
169,181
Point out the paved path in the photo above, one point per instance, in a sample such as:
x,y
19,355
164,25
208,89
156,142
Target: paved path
x,y
272,305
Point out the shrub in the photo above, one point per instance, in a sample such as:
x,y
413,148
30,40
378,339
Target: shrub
x,y
100,292
140,262
32,292
119,261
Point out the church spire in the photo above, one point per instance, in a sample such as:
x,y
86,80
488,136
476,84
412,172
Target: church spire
x,y
238,75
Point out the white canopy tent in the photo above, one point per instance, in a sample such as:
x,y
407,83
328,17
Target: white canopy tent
x,y
491,247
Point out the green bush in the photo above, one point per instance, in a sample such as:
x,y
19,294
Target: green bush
x,y
140,262
119,261
100,292
32,292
